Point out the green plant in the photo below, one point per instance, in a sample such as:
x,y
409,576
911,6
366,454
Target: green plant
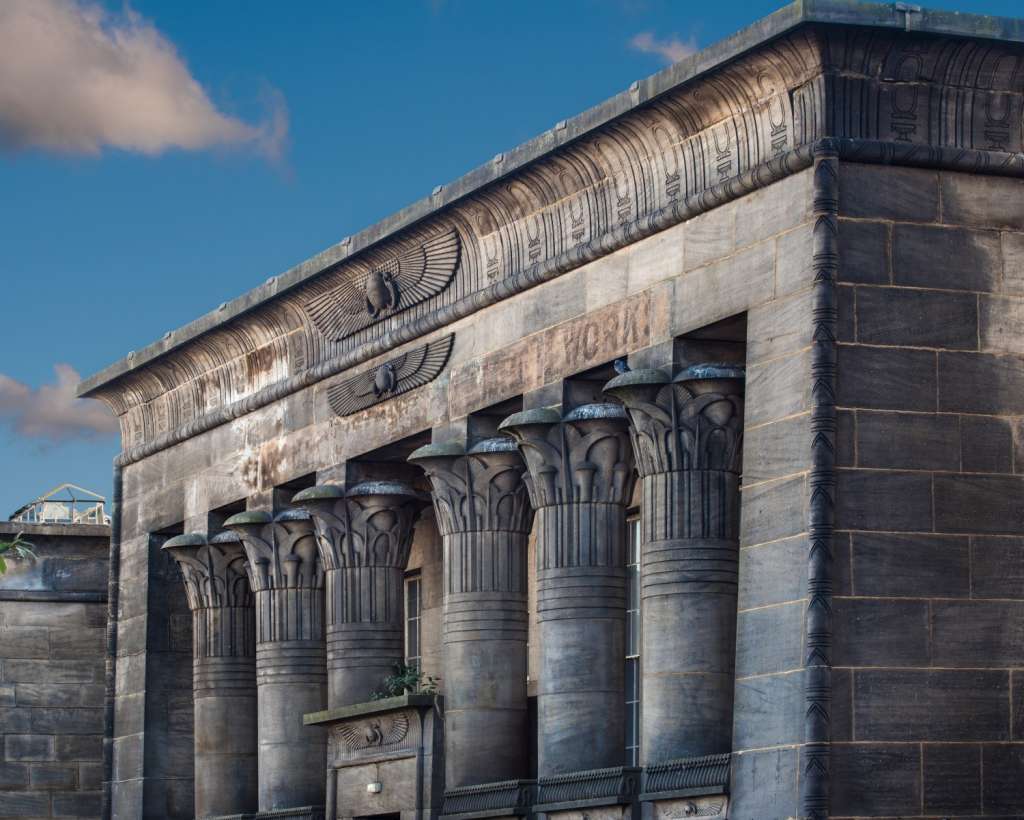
x,y
407,680
17,549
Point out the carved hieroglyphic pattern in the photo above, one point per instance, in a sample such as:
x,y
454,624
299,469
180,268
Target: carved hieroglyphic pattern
x,y
868,84
396,376
814,778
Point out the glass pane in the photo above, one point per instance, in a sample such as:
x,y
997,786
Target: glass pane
x,y
632,680
412,605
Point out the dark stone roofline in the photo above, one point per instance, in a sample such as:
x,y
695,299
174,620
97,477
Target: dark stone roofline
x,y
837,12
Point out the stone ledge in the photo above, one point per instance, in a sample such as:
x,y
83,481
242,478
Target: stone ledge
x,y
54,530
70,597
297,813
502,799
373,707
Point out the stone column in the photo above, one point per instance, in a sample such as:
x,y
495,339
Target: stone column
x,y
687,435
580,480
287,581
484,516
223,671
364,536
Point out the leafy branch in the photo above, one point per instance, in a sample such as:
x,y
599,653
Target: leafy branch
x,y
407,680
18,549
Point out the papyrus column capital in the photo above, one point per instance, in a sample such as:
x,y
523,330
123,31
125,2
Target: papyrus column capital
x,y
691,422
479,489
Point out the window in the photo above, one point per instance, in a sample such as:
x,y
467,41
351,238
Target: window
x,y
413,603
633,642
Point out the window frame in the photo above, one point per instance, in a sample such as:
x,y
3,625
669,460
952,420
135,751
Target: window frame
x,y
412,621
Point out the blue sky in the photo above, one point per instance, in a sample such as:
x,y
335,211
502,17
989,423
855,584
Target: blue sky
x,y
106,248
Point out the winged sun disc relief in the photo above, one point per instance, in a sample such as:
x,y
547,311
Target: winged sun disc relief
x,y
409,278
396,376
376,732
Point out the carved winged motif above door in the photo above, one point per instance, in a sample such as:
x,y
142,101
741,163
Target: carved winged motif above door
x,y
406,279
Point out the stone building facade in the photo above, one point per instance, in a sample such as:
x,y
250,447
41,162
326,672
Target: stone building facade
x,y
682,443
53,618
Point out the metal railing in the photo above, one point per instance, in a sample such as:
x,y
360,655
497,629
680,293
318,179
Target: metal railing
x,y
65,504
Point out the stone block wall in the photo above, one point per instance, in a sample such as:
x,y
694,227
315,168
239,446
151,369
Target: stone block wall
x,y
53,616
153,748
929,599
767,718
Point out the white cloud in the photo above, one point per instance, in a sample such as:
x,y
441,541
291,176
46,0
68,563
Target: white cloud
x,y
671,50
76,79
52,412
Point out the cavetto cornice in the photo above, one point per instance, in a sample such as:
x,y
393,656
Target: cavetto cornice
x,y
883,85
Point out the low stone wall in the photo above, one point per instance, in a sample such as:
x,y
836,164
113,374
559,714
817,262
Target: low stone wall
x,y
53,615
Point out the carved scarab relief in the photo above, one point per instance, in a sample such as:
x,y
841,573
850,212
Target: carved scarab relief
x,y
347,303
385,380
386,730
695,808
396,376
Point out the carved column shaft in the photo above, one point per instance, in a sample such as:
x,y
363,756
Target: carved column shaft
x,y
687,437
484,516
287,580
580,481
364,537
223,673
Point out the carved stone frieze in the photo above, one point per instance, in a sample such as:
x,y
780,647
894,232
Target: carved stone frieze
x,y
900,89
